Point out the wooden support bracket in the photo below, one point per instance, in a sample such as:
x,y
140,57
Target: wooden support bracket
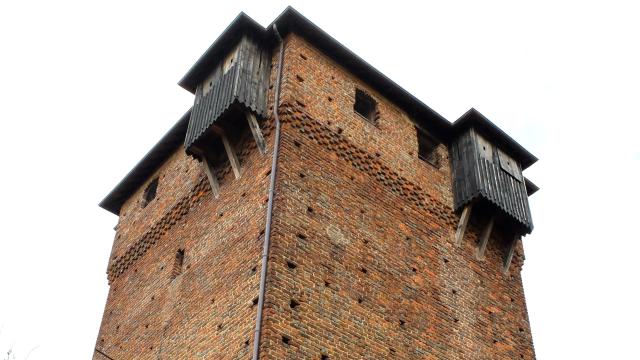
x,y
462,225
257,133
486,234
509,256
231,153
211,175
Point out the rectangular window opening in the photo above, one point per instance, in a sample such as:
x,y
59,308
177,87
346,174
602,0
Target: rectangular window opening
x,y
366,106
427,149
150,192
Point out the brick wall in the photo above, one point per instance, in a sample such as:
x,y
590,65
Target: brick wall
x,y
206,311
362,263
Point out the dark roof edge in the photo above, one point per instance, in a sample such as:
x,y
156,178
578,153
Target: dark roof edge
x,y
287,22
290,20
473,118
531,187
158,154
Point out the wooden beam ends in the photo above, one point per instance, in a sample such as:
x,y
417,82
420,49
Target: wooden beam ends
x,y
484,239
257,133
231,153
462,225
507,259
211,175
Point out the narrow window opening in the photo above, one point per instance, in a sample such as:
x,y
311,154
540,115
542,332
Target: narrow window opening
x,y
177,264
427,147
366,106
150,192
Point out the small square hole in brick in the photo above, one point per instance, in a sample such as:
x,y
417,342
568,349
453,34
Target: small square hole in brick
x,y
324,357
286,340
293,304
291,265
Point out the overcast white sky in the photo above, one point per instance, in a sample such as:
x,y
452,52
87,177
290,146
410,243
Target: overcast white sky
x,y
86,88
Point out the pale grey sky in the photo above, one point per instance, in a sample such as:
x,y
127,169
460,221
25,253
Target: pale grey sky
x,y
86,88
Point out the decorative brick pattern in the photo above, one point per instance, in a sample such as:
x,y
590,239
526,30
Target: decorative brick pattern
x,y
175,214
365,162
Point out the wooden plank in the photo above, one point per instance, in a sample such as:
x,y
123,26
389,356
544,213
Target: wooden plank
x,y
211,175
231,153
257,133
484,239
462,225
509,257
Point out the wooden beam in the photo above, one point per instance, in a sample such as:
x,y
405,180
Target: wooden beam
x,y
231,153
257,133
462,225
211,175
484,239
509,257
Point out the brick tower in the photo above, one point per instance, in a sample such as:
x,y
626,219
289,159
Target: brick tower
x,y
350,222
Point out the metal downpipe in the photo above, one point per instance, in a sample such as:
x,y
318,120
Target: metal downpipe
x,y
272,185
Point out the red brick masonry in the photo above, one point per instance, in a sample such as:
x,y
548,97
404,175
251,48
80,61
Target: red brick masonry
x,y
363,263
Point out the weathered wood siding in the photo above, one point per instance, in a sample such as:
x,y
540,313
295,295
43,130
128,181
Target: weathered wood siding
x,y
246,82
477,173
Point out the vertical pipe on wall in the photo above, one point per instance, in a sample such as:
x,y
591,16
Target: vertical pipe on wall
x,y
272,184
